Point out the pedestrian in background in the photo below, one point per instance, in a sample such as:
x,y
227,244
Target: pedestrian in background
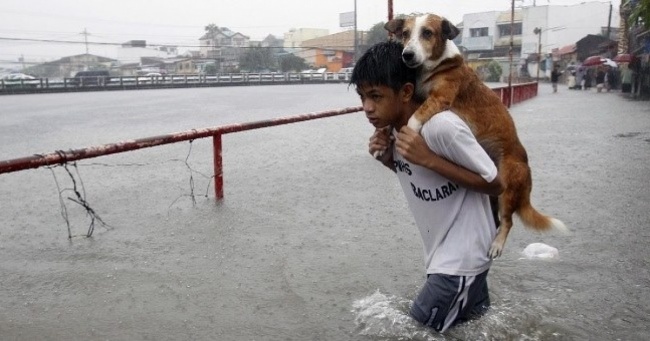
x,y
572,80
555,77
580,77
600,79
589,78
626,79
610,78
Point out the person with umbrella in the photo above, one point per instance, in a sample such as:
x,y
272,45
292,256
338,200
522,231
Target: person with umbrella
x,y
626,79
600,79
610,78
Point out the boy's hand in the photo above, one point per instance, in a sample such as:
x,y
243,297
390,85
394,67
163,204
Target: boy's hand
x,y
412,146
380,140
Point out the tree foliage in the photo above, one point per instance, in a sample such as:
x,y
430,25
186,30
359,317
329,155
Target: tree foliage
x,y
211,28
211,69
292,62
640,12
494,71
377,34
257,59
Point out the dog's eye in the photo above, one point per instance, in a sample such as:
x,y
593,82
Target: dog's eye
x,y
406,34
427,33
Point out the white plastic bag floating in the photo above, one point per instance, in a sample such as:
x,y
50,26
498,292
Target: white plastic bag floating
x,y
540,251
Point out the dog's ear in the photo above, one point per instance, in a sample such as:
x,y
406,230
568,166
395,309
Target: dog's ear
x,y
395,27
449,31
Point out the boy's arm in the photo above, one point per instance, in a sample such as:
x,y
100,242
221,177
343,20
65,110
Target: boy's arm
x,y
414,149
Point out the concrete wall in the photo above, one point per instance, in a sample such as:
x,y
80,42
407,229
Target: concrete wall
x,y
478,20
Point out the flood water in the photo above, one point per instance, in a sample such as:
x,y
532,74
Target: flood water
x,y
313,240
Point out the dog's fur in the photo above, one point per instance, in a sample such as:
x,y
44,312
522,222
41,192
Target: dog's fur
x,y
446,82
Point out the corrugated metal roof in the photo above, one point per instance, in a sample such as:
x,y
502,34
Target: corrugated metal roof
x,y
566,49
337,41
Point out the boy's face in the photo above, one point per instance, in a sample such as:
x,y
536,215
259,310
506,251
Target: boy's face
x,y
382,105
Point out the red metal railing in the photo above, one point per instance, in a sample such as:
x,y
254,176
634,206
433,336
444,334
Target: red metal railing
x,y
63,156
520,93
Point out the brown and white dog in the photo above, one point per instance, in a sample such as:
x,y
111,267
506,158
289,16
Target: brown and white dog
x,y
446,82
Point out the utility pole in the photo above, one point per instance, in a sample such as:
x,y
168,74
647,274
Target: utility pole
x,y
609,22
356,40
512,28
538,31
85,34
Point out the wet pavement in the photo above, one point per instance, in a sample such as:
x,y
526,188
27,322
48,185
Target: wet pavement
x,y
313,240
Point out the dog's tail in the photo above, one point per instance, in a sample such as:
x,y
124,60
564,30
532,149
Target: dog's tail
x,y
539,222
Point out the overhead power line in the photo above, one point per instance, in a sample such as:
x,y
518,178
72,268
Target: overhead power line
x,y
54,41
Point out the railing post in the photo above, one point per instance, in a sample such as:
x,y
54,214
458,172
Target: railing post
x,y
218,166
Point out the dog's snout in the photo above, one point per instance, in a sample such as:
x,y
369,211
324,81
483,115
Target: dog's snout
x,y
408,55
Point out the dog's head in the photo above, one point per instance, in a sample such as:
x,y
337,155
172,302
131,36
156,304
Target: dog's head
x,y
424,37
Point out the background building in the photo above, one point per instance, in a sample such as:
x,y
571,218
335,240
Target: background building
x,y
334,51
296,36
132,51
224,46
486,35
69,66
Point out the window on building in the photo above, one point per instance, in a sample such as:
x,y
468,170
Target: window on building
x,y
504,30
478,32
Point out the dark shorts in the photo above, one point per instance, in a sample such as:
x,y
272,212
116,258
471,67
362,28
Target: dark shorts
x,y
446,300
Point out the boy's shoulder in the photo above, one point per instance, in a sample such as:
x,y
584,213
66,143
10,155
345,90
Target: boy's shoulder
x,y
443,128
444,121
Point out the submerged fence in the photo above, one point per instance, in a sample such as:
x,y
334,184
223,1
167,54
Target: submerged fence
x,y
518,94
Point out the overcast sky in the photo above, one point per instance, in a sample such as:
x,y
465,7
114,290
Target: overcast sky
x,y
182,22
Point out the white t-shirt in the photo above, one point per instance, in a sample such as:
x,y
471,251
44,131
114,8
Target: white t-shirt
x,y
455,223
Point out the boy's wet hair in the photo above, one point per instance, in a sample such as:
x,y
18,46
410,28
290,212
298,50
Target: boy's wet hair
x,y
382,65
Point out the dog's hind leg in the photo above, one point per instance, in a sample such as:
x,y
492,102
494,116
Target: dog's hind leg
x,y
516,176
506,211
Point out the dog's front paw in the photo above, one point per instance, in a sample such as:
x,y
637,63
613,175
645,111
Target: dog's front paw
x,y
495,250
414,124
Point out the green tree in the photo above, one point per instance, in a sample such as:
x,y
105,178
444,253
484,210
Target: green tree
x,y
494,71
211,69
640,14
257,59
211,28
292,62
377,34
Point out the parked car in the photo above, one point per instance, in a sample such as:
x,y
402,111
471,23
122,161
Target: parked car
x,y
313,74
345,73
18,80
97,78
151,77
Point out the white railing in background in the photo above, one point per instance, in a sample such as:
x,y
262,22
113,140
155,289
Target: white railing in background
x,y
99,82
